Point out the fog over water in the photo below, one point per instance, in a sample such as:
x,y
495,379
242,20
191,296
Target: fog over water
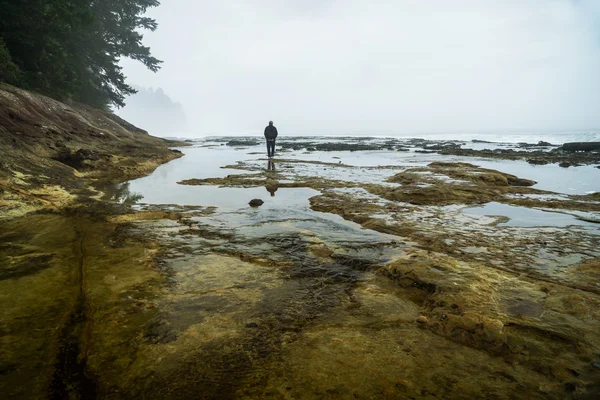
x,y
153,109
406,67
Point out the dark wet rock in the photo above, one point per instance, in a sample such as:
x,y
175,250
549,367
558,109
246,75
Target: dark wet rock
x,y
442,146
480,141
309,146
570,387
337,146
347,147
256,203
179,143
80,159
24,266
243,142
417,141
6,368
581,146
537,161
565,164
580,202
554,156
515,181
160,332
541,143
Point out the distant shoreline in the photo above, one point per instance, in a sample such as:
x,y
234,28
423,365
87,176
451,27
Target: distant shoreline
x,y
508,137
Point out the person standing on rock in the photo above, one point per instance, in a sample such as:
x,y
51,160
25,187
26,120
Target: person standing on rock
x,y
270,135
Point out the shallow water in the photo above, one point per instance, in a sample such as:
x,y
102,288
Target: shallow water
x,y
584,179
226,198
206,162
161,186
278,301
528,217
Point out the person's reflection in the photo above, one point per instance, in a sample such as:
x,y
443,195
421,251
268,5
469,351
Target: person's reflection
x,y
271,165
271,189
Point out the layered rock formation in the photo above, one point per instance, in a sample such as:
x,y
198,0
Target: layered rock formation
x,y
50,151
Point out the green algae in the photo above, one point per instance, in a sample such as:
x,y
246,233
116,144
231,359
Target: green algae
x,y
181,306
36,302
49,314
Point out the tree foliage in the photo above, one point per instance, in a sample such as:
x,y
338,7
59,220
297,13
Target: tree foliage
x,y
9,72
70,49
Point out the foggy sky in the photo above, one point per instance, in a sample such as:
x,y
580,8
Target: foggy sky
x,y
377,67
153,109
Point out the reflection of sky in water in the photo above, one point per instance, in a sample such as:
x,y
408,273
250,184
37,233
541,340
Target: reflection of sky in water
x,y
205,162
162,191
528,217
161,186
573,180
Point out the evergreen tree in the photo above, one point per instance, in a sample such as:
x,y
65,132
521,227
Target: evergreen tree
x,y
71,48
9,72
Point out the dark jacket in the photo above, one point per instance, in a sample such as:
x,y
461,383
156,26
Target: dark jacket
x,y
270,132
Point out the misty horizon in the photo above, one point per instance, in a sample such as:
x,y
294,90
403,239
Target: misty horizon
x,y
353,68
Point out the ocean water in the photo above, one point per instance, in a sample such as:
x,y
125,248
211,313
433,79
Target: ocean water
x,y
210,157
557,138
517,137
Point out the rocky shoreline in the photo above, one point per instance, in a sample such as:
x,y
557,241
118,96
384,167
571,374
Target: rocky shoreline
x,y
380,287
52,152
541,153
52,155
507,291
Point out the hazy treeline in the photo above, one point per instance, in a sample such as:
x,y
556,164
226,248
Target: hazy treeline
x,y
153,110
70,49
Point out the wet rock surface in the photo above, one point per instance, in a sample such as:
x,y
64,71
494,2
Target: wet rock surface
x,y
581,146
255,203
242,143
380,286
536,157
51,151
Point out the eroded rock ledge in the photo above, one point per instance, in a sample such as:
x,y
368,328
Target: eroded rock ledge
x,y
51,151
527,299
